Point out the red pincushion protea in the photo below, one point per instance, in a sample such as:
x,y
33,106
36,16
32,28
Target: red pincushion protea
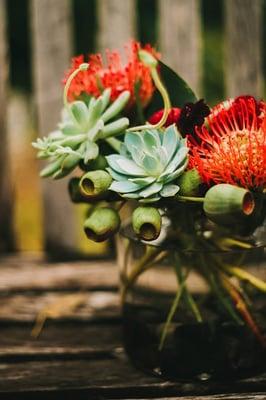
x,y
114,75
231,147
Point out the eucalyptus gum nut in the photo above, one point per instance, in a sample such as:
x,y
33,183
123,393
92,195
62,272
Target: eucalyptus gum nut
x,y
95,183
146,223
74,191
226,204
189,183
101,224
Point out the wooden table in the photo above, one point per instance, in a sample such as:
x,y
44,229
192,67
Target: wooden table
x,y
79,354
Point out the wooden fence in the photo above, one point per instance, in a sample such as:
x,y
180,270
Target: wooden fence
x,y
180,42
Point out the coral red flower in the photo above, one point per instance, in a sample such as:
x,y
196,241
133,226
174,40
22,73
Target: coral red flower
x,y
231,147
113,74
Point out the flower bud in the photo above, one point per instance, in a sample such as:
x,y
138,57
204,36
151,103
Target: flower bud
x,y
147,58
227,204
147,222
102,224
95,183
189,183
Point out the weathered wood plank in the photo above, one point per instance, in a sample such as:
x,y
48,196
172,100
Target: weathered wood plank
x,y
6,195
60,341
234,396
116,20
243,63
35,274
24,308
90,377
180,38
51,33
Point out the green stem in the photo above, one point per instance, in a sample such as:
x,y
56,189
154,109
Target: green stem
x,y
166,101
114,143
212,279
188,296
189,198
171,314
82,67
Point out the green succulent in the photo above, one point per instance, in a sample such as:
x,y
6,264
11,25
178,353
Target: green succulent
x,y
81,127
149,163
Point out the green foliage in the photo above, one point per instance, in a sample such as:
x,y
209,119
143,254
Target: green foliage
x,y
178,90
81,127
149,163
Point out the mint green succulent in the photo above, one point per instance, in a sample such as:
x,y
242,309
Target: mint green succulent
x,y
81,127
149,163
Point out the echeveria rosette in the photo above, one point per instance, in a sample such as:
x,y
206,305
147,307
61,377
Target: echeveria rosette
x,y
81,127
149,163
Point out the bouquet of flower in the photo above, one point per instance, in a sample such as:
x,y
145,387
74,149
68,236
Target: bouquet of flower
x,y
195,175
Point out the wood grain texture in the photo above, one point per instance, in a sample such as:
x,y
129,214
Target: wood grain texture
x,y
36,274
117,20
80,355
52,50
243,63
6,195
180,38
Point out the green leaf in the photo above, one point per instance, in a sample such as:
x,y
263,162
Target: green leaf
x,y
150,190
124,187
178,90
170,141
91,152
80,113
169,190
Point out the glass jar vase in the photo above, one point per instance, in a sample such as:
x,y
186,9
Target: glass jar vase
x,y
196,313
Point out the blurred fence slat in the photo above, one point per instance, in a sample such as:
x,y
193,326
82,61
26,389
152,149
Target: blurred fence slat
x,y
180,38
243,63
6,217
52,50
116,20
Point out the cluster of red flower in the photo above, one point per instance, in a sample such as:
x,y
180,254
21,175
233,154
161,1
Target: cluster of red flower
x,y
114,74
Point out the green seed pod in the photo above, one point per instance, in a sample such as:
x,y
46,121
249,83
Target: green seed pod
x,y
227,204
74,191
147,222
95,183
101,224
189,183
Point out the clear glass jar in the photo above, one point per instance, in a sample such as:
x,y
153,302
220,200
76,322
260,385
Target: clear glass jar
x,y
184,315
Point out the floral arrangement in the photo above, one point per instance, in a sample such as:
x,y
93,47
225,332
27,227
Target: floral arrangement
x,y
135,132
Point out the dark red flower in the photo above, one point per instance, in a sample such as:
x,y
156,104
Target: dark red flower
x,y
186,118
113,74
231,147
172,118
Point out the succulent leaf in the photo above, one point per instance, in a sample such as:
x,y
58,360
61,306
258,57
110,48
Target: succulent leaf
x,y
150,163
81,127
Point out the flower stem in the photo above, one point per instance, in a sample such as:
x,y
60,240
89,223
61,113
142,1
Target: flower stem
x,y
189,198
166,101
81,67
